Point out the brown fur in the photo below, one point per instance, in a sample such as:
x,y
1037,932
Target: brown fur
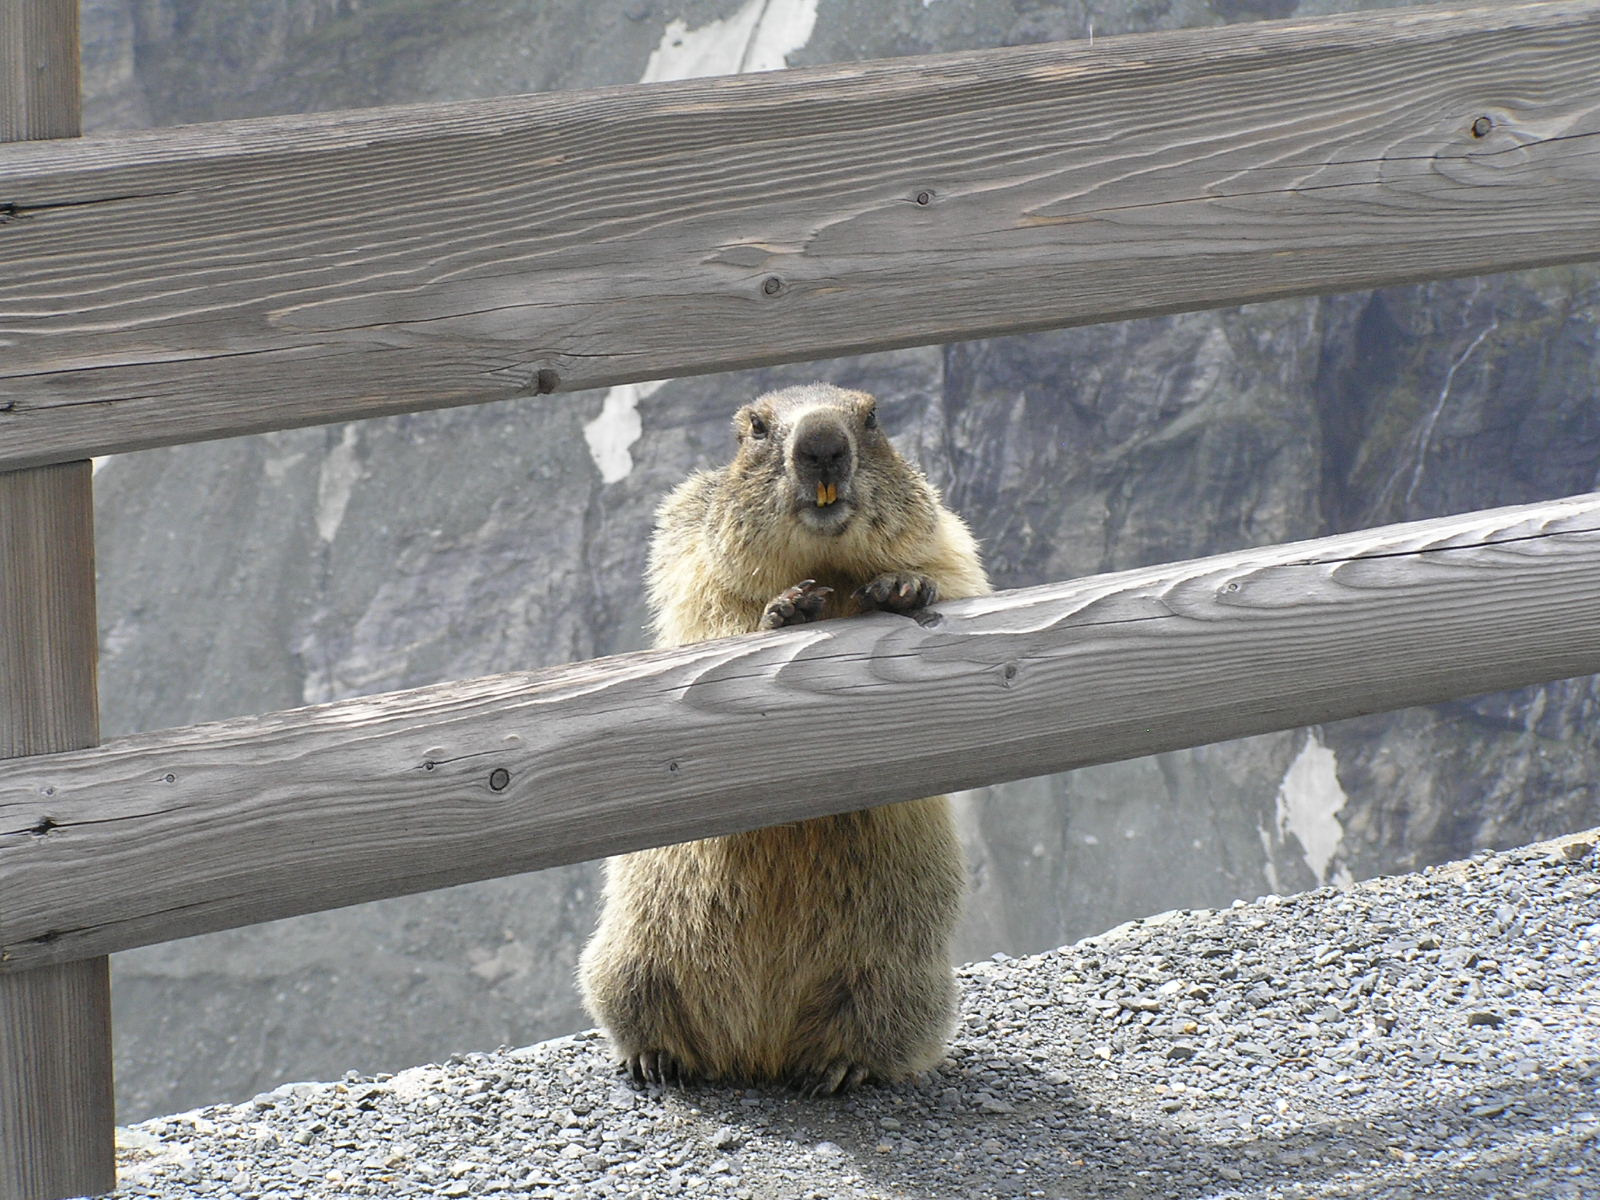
x,y
815,953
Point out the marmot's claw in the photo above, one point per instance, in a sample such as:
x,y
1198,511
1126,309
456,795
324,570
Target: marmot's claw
x,y
835,1079
642,1067
797,605
656,1066
896,591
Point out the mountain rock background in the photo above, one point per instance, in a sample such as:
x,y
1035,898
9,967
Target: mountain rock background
x,y
268,572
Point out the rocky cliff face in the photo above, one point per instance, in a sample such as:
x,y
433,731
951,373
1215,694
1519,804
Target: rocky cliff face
x,y
263,573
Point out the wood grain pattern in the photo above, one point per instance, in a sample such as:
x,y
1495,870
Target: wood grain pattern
x,y
39,95
56,1109
48,641
57,1131
56,1105
188,283
168,834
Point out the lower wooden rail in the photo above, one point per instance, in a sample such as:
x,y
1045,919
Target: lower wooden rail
x,y
168,834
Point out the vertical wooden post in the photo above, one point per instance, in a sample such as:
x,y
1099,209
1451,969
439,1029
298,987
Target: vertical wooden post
x,y
39,95
56,1106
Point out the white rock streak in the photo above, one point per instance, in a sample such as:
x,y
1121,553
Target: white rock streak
x,y
1309,803
611,434
340,470
759,37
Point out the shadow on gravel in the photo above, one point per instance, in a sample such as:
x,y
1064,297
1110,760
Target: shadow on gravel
x,y
994,1127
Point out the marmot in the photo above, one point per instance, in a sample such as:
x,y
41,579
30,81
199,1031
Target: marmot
x,y
814,953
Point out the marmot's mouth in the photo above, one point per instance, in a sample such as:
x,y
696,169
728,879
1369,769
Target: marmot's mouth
x,y
826,512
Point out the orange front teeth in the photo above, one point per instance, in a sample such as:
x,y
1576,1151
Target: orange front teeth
x,y
827,493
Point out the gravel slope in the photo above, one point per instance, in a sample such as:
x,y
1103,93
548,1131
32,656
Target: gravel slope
x,y
1435,1034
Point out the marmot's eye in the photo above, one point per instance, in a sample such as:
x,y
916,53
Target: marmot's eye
x,y
758,427
870,421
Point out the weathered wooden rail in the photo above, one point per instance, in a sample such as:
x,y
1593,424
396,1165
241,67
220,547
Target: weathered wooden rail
x,y
190,283
220,279
164,835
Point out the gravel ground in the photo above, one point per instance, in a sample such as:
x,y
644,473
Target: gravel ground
x,y
1435,1034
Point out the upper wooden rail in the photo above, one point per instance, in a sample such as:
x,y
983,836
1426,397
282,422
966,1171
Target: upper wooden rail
x,y
197,282
168,834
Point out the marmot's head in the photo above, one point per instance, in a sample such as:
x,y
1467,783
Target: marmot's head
x,y
820,454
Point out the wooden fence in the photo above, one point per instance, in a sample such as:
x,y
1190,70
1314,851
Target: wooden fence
x,y
182,284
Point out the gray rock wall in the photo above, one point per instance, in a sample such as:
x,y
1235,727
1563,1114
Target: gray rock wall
x,y
266,572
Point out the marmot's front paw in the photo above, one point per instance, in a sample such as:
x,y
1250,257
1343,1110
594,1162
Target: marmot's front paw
x,y
898,592
798,605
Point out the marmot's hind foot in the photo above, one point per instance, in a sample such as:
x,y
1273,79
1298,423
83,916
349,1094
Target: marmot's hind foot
x,y
898,592
798,605
658,1066
831,1079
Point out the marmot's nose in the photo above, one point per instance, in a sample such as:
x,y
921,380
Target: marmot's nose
x,y
823,450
